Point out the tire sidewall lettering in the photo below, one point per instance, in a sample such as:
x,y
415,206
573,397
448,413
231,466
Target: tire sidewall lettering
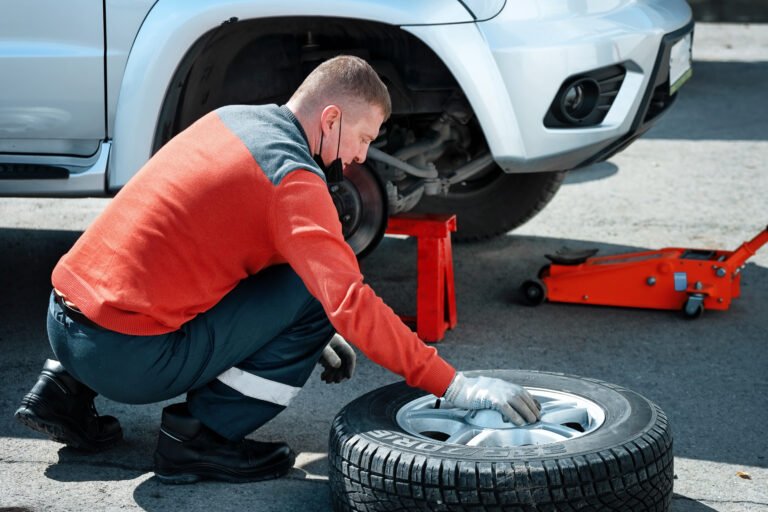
x,y
401,440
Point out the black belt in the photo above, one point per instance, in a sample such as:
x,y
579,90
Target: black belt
x,y
74,314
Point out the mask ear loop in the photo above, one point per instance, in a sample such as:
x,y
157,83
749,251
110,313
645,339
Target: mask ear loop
x,y
338,146
334,172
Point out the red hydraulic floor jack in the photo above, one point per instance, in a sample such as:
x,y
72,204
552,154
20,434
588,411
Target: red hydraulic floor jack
x,y
672,278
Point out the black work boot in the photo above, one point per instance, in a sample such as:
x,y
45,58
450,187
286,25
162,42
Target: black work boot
x,y
62,408
188,451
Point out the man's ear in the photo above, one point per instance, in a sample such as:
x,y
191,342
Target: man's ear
x,y
328,117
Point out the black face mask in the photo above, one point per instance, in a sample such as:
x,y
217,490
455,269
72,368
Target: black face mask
x,y
334,172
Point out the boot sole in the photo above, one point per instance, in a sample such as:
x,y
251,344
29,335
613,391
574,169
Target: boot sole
x,y
197,472
58,430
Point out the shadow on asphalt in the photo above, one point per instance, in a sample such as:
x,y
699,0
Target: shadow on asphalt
x,y
76,466
281,494
683,504
720,102
594,172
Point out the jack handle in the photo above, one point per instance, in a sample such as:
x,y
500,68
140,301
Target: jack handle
x,y
747,250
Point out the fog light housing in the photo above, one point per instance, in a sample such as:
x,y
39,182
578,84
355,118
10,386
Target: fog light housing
x,y
585,99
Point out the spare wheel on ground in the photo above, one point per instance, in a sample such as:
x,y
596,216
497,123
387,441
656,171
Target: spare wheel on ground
x,y
598,447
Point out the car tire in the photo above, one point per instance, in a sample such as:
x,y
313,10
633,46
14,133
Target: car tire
x,y
495,203
625,464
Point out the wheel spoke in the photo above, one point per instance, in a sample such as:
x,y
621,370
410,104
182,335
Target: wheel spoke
x,y
561,431
464,434
442,414
564,412
557,405
571,416
482,438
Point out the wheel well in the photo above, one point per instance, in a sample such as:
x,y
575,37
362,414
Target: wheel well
x,y
265,60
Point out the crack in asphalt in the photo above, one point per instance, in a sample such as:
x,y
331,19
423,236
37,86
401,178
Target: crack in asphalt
x,y
307,480
712,500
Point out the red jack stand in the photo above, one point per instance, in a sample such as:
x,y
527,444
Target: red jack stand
x,y
435,293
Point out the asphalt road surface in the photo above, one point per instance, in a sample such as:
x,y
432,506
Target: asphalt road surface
x,y
698,179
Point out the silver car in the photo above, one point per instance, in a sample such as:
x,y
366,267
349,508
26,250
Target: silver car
x,y
493,100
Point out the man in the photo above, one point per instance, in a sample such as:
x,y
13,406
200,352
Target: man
x,y
220,271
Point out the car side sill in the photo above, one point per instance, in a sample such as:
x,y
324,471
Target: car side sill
x,y
64,176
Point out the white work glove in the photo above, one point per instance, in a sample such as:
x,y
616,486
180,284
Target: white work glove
x,y
513,402
338,359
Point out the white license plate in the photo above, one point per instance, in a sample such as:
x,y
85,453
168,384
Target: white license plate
x,y
680,58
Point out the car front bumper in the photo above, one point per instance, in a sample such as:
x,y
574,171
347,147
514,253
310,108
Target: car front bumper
x,y
537,50
512,66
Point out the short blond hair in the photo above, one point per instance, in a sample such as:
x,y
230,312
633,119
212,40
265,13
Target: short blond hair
x,y
344,78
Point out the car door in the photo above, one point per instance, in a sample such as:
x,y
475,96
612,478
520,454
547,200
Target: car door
x,y
51,77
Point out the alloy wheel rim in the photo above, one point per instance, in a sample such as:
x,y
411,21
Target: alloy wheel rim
x,y
564,416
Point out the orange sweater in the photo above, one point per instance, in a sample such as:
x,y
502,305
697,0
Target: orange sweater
x,y
234,193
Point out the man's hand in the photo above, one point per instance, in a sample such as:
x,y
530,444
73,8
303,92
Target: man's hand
x,y
338,359
512,401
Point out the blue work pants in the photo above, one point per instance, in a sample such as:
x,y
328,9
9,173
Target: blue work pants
x,y
240,363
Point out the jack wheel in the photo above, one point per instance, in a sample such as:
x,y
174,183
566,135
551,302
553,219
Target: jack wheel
x,y
693,308
534,292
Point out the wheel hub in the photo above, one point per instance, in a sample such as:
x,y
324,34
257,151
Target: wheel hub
x,y
348,203
360,200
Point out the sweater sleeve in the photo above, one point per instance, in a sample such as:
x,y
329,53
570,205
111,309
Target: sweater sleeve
x,y
307,233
